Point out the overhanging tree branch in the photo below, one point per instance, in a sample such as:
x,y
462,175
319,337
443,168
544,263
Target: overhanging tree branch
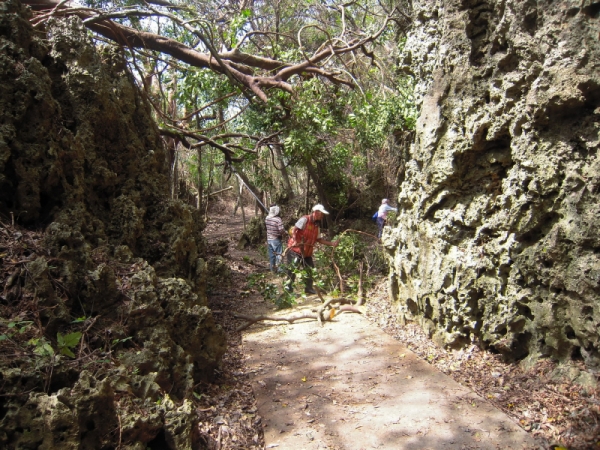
x,y
241,67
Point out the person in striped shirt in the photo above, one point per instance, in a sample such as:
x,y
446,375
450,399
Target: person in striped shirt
x,y
275,233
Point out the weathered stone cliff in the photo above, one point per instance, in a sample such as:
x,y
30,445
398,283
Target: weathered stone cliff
x,y
497,238
115,265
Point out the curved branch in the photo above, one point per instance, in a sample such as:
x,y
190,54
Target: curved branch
x,y
180,135
263,33
240,67
202,108
319,315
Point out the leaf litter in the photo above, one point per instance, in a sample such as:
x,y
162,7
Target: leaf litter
x,y
551,407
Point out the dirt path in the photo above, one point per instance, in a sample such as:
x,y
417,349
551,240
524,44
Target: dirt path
x,y
348,384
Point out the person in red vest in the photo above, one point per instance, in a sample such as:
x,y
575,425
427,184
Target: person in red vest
x,y
304,236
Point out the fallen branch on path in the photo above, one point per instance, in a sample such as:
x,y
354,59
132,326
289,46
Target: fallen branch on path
x,y
320,314
332,311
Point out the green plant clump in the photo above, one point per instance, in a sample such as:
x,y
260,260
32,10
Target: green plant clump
x,y
270,292
67,342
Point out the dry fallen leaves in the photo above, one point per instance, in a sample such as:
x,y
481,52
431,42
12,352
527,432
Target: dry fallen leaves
x,y
553,410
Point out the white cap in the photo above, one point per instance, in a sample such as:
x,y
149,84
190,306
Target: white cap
x,y
385,200
321,208
273,211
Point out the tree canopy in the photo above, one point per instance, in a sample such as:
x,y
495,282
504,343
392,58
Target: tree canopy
x,y
294,83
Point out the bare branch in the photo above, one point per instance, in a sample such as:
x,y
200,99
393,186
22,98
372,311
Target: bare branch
x,y
240,67
219,125
202,108
321,315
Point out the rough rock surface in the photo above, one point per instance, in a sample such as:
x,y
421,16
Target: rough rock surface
x,y
496,240
117,261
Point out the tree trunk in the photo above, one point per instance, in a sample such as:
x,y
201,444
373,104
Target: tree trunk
x,y
241,200
174,173
287,186
209,184
200,185
172,110
322,197
199,155
307,192
249,184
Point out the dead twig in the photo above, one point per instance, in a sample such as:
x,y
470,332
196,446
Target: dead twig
x,y
361,293
90,324
341,309
254,319
120,431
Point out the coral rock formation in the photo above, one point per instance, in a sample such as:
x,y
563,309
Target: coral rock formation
x,y
496,240
119,267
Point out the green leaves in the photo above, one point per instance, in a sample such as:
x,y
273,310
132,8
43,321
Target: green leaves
x,y
121,341
374,117
15,327
269,291
236,26
42,347
67,342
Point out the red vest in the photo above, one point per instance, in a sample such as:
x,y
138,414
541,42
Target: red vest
x,y
303,241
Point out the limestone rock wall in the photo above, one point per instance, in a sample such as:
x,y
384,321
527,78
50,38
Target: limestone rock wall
x,y
497,237
103,252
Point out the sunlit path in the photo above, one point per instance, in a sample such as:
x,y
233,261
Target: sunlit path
x,y
348,385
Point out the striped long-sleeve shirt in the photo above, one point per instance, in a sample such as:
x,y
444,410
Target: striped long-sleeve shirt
x,y
275,228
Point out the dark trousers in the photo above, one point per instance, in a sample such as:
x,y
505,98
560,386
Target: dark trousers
x,y
380,225
296,260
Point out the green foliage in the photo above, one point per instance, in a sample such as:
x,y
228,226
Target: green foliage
x,y
121,341
270,292
67,342
260,282
374,117
285,300
19,327
262,250
347,255
316,112
42,347
236,25
196,86
359,165
351,251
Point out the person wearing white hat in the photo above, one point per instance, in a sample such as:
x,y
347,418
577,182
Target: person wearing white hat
x,y
304,236
275,233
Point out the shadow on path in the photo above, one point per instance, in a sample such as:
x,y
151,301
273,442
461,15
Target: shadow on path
x,y
348,385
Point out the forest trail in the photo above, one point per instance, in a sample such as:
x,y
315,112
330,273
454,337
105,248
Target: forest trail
x,y
348,384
